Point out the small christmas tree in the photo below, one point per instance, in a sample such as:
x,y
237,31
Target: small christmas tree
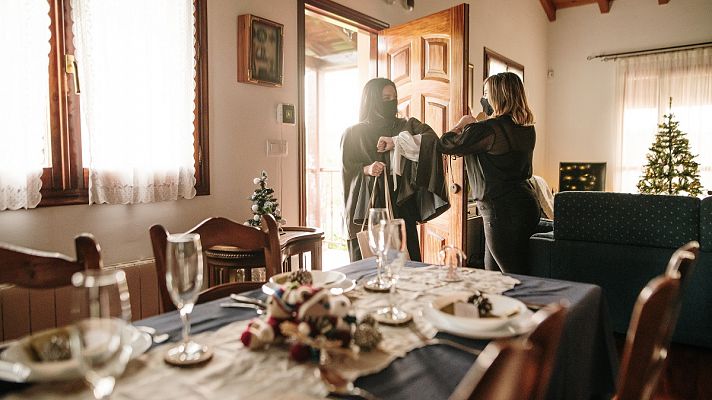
x,y
263,202
671,167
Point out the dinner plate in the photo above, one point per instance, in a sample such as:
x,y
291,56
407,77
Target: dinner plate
x,y
342,287
481,328
68,369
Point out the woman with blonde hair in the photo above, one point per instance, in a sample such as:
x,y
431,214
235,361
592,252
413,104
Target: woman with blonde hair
x,y
498,157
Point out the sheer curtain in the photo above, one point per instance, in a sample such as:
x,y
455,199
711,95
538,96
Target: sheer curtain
x,y
646,84
136,64
24,45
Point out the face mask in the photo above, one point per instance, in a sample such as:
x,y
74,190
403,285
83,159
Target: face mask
x,y
388,109
486,107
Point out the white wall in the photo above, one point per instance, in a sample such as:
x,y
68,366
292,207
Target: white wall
x,y
581,97
242,118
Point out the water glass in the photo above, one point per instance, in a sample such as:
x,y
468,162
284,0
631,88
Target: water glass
x,y
100,339
394,254
453,259
377,239
184,278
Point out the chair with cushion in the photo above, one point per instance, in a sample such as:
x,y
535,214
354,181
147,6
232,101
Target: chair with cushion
x,y
651,327
33,310
219,231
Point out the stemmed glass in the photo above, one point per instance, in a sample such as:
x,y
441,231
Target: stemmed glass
x,y
101,339
377,239
453,259
184,278
395,253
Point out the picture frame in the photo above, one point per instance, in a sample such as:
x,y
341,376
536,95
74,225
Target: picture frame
x,y
260,52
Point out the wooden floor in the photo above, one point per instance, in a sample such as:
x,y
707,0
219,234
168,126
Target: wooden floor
x,y
687,375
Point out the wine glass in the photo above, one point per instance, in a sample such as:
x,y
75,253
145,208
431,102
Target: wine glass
x,y
101,339
395,253
453,259
184,278
377,238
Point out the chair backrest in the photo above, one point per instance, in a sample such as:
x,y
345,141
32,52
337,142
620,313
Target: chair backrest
x,y
546,335
224,232
505,370
35,269
651,327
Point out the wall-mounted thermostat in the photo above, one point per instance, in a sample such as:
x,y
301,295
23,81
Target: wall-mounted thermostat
x,y
286,114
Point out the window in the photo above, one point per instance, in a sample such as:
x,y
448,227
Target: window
x,y
646,84
495,63
77,98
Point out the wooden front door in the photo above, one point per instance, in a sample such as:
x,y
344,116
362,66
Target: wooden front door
x,y
427,60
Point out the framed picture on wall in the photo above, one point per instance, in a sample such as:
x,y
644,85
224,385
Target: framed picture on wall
x,y
260,53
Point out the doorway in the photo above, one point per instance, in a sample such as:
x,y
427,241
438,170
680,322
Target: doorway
x,y
339,58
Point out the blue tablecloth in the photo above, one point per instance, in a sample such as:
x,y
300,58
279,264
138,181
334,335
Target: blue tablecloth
x,y
586,365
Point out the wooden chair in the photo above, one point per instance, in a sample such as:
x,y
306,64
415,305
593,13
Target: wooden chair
x,y
505,370
35,269
651,327
519,368
28,311
550,324
218,231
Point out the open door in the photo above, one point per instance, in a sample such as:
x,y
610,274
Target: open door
x,y
427,60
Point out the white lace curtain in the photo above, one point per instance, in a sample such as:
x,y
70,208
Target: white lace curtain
x,y
136,68
646,84
24,46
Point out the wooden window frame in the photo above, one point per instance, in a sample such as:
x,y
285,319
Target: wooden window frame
x,y
66,181
491,54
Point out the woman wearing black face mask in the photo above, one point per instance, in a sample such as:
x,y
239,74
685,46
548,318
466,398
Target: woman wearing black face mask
x,y
498,157
405,150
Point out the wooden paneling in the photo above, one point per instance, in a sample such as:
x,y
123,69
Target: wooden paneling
x,y
399,65
16,313
435,58
435,112
404,107
42,309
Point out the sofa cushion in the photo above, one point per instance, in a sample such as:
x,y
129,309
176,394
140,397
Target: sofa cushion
x,y
706,224
623,218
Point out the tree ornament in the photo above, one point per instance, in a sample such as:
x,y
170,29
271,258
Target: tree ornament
x,y
671,168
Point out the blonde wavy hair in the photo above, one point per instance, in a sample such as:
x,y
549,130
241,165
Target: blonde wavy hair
x,y
506,95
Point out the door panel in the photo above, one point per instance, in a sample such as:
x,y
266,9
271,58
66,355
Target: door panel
x,y
427,60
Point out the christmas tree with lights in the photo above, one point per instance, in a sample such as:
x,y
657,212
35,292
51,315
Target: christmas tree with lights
x,y
671,168
263,202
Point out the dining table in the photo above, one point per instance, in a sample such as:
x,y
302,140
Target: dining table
x,y
586,365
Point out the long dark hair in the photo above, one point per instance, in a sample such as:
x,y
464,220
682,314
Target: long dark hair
x,y
373,95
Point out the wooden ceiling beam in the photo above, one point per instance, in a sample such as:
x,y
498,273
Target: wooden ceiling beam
x,y
549,8
604,6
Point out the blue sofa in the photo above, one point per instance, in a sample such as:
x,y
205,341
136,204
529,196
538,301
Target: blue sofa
x,y
621,241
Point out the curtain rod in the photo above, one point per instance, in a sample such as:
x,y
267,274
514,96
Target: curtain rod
x,y
613,56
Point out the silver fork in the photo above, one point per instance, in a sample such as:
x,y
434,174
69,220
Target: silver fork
x,y
444,342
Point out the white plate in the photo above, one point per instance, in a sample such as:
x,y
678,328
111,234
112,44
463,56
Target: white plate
x,y
344,286
480,328
68,369
325,279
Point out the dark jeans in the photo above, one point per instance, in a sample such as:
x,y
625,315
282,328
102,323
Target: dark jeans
x,y
509,221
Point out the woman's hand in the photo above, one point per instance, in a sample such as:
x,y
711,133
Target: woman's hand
x,y
384,144
464,121
375,169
